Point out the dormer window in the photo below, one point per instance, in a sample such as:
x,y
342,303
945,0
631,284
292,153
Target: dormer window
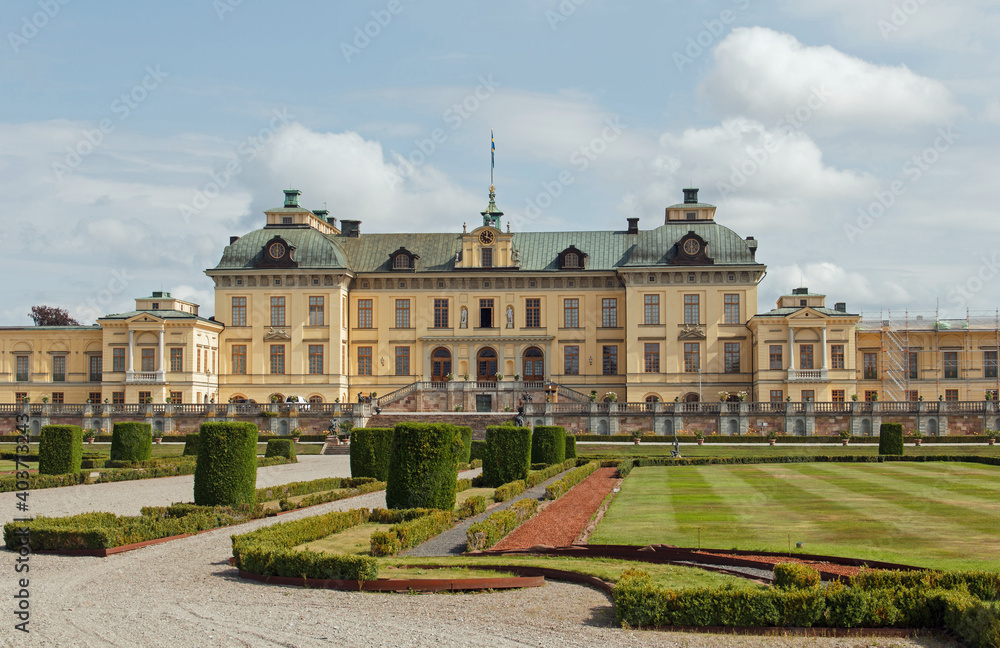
x,y
403,260
691,215
572,259
156,305
286,220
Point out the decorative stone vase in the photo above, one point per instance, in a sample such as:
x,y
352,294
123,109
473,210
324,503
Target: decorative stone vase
x,y
635,441
917,441
701,441
770,442
992,441
158,440
844,442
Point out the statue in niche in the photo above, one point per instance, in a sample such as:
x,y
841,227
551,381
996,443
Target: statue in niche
x,y
510,316
464,321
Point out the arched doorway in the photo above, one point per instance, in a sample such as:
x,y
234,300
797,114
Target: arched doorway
x,y
932,427
668,427
800,427
533,369
691,398
866,427
734,427
440,364
486,364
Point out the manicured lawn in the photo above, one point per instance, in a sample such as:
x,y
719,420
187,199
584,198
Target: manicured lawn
x,y
355,540
779,450
944,515
8,466
470,492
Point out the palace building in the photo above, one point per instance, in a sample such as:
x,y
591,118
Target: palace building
x,y
319,309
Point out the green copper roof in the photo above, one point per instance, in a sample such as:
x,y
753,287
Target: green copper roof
x,y
785,312
162,314
537,251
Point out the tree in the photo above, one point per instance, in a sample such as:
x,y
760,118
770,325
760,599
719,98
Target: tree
x,y
52,316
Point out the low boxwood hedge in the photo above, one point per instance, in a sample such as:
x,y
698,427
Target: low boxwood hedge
x,y
559,487
795,576
60,449
371,449
411,527
131,441
471,507
496,526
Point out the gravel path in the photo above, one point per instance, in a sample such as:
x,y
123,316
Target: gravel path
x,y
183,594
453,542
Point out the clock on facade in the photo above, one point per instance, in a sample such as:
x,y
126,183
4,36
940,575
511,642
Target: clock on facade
x,y
276,251
486,237
691,247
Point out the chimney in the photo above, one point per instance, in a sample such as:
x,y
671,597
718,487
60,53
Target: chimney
x,y
321,214
292,197
752,244
800,291
233,239
840,307
350,228
633,226
690,196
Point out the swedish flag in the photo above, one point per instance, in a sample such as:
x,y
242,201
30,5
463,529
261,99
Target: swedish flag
x,y
493,151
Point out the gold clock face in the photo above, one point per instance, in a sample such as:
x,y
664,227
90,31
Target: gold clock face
x,y
691,247
486,237
277,250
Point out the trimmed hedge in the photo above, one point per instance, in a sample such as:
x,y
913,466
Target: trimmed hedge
x,y
414,526
371,449
190,445
423,466
472,506
508,454
548,444
496,526
511,489
60,449
269,551
570,446
477,451
559,487
465,433
981,584
281,448
890,439
131,441
795,576
226,469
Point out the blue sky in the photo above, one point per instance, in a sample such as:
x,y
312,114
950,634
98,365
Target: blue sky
x,y
855,139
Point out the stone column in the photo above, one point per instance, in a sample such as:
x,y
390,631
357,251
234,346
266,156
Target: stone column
x,y
129,367
161,370
791,349
822,349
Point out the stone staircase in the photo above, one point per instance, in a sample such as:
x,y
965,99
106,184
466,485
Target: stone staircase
x,y
333,446
478,421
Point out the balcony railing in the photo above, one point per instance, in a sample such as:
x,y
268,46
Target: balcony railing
x,y
144,377
806,374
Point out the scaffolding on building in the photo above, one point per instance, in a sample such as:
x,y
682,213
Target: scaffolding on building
x,y
904,365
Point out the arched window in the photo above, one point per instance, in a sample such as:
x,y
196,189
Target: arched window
x,y
315,400
401,262
572,260
653,399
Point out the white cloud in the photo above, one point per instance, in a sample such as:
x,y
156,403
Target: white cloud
x,y
836,282
768,75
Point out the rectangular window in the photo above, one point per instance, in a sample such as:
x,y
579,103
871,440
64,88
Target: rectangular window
x,y
364,313
913,365
805,356
20,396
532,313
777,395
870,395
609,312
22,368
487,257
870,366
951,364
277,358
317,316
364,361
94,397
58,398
118,398
775,357
402,361
836,356
808,395
651,356
651,309
239,311
732,357
692,309
118,359
148,360
239,359
485,313
277,311
610,359
732,309
692,357
96,368
176,359
951,395
145,397
571,360
440,313
197,355
837,395
911,395
176,398
316,359
571,313
989,364
402,313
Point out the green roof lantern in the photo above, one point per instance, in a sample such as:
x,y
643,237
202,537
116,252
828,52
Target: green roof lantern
x,y
691,196
492,214
292,197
